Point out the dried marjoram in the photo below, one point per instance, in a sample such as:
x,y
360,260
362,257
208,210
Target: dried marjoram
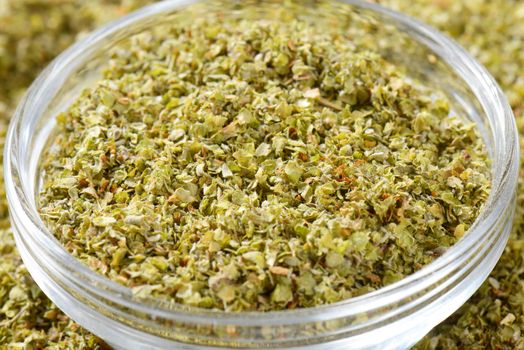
x,y
32,32
29,320
259,165
493,31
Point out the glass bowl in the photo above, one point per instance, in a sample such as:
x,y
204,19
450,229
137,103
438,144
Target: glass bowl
x,y
393,317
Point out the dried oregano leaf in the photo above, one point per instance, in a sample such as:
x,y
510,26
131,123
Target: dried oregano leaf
x,y
493,31
32,32
254,164
486,28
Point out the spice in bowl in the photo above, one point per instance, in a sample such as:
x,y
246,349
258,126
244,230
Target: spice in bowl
x,y
253,164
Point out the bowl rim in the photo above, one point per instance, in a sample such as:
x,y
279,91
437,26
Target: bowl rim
x,y
503,184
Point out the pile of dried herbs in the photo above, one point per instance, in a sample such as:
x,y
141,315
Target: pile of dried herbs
x,y
493,30
32,32
28,319
243,164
